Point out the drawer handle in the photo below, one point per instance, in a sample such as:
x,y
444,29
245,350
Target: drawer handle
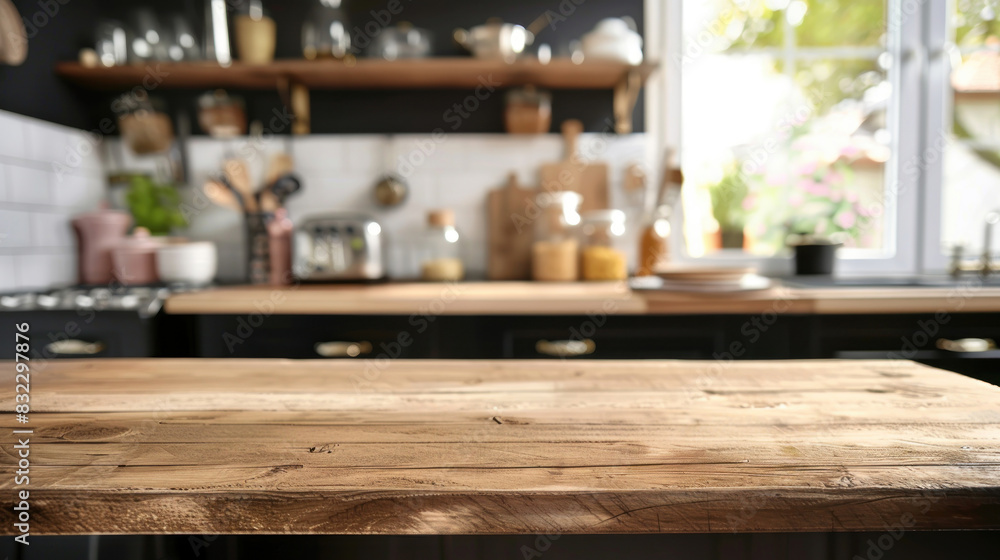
x,y
565,348
74,347
341,349
967,344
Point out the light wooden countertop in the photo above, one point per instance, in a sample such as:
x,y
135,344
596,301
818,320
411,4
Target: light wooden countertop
x,y
532,298
160,446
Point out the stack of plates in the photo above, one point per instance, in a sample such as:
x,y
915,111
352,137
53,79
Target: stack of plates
x,y
704,280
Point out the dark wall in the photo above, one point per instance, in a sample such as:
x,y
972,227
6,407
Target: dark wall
x,y
33,89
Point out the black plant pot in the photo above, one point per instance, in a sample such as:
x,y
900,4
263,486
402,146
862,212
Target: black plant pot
x,y
813,260
732,239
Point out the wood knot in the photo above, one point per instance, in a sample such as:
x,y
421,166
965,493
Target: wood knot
x,y
327,448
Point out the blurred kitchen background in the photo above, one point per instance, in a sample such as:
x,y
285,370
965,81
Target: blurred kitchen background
x,y
786,121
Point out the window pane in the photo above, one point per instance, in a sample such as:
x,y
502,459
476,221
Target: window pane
x,y
971,187
827,23
784,141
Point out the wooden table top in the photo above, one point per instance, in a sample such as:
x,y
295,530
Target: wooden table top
x,y
446,447
572,298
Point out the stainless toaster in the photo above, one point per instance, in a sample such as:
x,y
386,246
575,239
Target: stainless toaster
x,y
338,247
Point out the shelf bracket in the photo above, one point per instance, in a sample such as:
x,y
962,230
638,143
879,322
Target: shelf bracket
x,y
295,96
625,95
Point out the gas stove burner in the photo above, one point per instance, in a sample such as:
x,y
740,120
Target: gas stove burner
x,y
146,300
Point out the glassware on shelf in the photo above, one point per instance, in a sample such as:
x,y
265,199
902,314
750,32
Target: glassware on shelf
x,y
441,256
555,252
603,250
255,35
528,111
111,44
325,32
654,243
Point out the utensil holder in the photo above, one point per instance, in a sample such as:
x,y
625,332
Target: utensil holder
x,y
258,247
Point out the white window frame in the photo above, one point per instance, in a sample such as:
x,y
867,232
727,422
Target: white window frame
x,y
663,116
938,112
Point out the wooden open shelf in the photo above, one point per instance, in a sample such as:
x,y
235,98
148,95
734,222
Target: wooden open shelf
x,y
363,74
296,77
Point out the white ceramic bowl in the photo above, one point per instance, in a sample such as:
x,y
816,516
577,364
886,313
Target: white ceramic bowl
x,y
188,263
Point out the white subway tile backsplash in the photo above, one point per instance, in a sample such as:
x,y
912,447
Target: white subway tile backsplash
x,y
51,230
28,185
77,191
15,229
339,173
322,153
47,173
36,272
8,279
367,153
12,135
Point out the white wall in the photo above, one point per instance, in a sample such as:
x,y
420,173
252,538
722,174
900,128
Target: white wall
x,y
340,171
48,173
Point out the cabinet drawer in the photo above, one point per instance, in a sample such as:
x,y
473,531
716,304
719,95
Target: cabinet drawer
x,y
78,335
619,338
314,337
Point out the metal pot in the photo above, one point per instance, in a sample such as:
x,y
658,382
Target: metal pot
x,y
495,39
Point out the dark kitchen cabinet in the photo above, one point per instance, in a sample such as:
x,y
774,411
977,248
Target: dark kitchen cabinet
x,y
614,337
100,334
313,336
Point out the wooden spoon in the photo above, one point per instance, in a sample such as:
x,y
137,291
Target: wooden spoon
x,y
221,194
238,177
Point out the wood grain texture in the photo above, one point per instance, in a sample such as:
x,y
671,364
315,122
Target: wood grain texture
x,y
449,447
438,72
539,298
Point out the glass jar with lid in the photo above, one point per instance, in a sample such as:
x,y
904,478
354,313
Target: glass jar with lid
x,y
441,256
555,252
603,248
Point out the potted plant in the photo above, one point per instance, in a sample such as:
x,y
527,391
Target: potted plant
x,y
728,207
154,206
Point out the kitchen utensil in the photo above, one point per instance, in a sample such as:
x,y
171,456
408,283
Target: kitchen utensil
x,y
13,38
97,234
238,178
280,164
217,32
222,115
221,194
528,111
510,230
325,32
286,186
613,39
111,43
391,190
495,40
338,247
255,35
576,173
134,258
400,41
187,262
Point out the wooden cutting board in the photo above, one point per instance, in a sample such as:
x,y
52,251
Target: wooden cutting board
x,y
577,173
510,231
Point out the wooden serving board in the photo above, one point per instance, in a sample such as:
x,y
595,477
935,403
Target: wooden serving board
x,y
167,446
576,173
510,231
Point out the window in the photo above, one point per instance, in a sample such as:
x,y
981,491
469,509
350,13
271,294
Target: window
x,y
788,124
969,174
